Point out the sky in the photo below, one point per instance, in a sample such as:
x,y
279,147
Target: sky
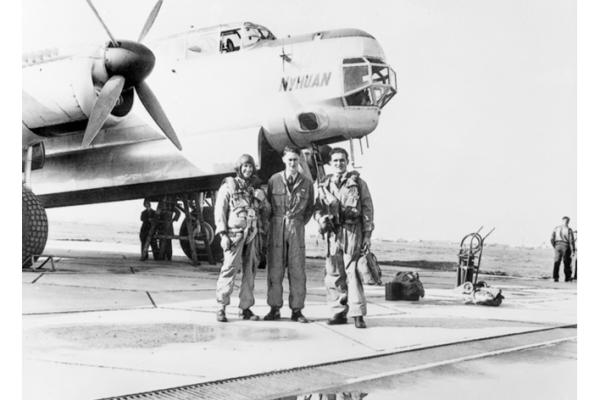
x,y
482,132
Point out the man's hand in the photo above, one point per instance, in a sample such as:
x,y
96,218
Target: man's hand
x,y
225,242
260,195
366,242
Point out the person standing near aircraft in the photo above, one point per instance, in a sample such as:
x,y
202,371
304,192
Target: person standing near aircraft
x,y
576,255
344,206
147,216
563,241
167,218
291,195
240,214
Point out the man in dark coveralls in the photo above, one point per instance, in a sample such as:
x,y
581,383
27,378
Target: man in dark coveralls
x,y
147,216
563,241
291,196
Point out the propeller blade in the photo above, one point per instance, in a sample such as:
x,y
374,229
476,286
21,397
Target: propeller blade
x,y
150,20
112,39
104,104
153,107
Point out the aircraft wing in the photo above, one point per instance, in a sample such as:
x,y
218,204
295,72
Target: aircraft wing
x,y
134,160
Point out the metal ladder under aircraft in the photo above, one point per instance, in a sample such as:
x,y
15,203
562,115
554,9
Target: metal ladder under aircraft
x,y
161,226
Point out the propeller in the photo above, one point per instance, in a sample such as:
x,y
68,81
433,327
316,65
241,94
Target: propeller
x,y
127,64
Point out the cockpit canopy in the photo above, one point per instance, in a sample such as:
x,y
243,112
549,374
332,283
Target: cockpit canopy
x,y
368,82
219,39
244,37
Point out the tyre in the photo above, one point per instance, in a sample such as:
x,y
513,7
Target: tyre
x,y
209,230
34,226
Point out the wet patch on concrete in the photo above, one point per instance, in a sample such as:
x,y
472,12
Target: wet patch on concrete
x,y
144,336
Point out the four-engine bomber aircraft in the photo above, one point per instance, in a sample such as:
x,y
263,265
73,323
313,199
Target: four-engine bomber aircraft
x,y
209,95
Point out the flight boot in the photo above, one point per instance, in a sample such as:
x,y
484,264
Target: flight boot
x,y
338,319
247,314
298,317
359,322
272,315
221,315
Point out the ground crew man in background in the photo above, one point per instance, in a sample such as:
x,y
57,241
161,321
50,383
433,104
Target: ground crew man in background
x,y
240,213
344,206
291,195
146,217
563,241
166,215
576,255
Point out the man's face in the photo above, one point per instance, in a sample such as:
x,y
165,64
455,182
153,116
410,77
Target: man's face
x,y
566,221
246,170
339,162
291,162
147,205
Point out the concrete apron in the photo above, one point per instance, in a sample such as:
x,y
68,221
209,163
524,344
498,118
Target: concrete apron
x,y
108,326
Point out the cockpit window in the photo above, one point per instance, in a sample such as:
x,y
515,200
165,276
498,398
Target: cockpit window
x,y
244,38
231,41
368,82
356,77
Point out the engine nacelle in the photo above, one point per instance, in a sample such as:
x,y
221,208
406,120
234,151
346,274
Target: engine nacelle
x,y
59,94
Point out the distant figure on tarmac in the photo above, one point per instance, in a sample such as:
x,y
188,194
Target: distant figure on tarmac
x,y
147,216
241,212
563,241
576,255
291,195
347,195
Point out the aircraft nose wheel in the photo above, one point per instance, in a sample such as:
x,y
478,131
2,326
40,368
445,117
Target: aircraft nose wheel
x,y
34,227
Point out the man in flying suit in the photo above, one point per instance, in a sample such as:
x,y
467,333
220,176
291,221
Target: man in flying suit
x,y
291,196
563,241
344,209
241,212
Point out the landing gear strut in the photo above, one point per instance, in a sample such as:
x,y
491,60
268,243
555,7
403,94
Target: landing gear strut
x,y
197,232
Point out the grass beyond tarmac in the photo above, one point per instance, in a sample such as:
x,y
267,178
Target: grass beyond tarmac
x,y
497,259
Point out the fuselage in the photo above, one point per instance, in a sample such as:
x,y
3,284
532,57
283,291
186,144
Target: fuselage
x,y
227,90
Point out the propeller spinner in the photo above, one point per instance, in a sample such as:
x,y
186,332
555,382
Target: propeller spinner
x,y
127,64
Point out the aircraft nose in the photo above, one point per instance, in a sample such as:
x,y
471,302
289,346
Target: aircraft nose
x,y
368,82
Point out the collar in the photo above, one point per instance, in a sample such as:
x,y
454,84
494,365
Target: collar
x,y
295,176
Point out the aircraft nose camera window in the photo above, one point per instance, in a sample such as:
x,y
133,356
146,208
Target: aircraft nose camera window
x,y
368,82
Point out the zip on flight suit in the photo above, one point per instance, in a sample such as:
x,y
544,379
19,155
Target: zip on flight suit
x,y
239,215
345,292
291,211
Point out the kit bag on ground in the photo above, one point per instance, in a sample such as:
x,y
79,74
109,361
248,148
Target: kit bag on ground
x,y
482,294
405,286
368,268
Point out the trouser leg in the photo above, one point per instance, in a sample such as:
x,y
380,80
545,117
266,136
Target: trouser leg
x,y
557,259
296,275
232,263
250,258
335,284
275,272
142,242
357,302
567,264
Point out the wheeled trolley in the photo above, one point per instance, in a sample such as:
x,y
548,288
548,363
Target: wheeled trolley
x,y
469,257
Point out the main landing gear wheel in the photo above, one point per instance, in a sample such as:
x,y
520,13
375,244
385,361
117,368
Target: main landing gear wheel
x,y
34,225
208,228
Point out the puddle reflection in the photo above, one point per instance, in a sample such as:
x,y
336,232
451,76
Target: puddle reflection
x,y
328,396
